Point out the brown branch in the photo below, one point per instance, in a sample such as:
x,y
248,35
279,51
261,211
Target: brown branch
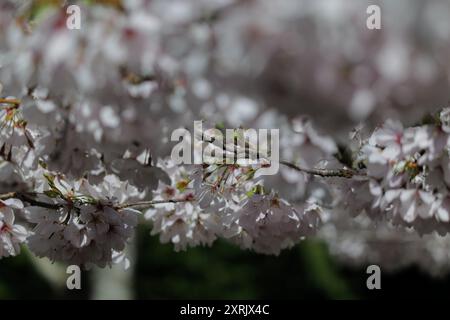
x,y
28,197
14,102
343,173
150,203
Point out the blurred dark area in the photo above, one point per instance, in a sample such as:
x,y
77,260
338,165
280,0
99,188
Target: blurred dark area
x,y
304,272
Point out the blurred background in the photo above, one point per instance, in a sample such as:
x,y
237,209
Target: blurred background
x,y
221,272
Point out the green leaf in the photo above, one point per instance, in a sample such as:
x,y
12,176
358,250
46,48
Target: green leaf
x,y
50,179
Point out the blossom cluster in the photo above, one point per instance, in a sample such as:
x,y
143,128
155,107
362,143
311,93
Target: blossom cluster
x,y
409,173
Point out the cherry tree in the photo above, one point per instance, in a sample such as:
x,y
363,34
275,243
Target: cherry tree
x,y
86,117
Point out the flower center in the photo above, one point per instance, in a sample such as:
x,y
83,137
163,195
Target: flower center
x,y
5,228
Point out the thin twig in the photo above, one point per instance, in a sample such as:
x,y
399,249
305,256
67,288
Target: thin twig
x,y
150,203
343,173
14,102
25,197
28,197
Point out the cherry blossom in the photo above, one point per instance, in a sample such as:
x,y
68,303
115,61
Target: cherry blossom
x,y
12,235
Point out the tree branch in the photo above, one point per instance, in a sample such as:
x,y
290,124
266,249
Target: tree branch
x,y
14,102
343,173
146,204
28,197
